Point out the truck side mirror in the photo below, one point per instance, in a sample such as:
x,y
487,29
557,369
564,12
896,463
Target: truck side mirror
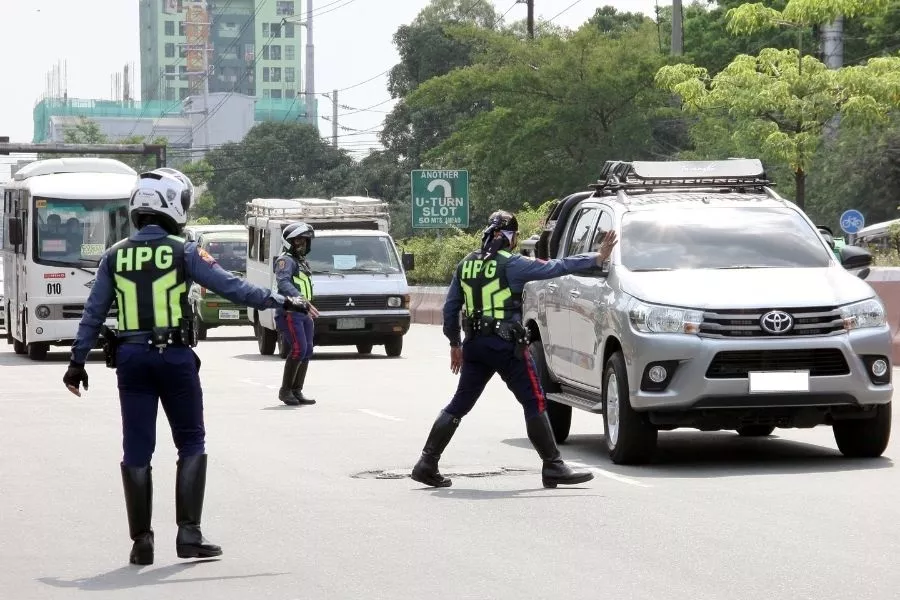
x,y
854,257
15,231
409,261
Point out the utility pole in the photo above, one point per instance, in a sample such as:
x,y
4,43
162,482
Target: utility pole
x,y
334,119
677,28
530,19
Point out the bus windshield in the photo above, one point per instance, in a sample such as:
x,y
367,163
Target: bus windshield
x,y
78,232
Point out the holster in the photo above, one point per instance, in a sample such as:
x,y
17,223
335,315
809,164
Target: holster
x,y
109,341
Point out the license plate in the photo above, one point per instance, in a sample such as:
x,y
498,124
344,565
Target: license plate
x,y
351,323
779,381
230,315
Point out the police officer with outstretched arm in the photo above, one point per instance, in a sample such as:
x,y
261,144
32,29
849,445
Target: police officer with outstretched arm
x,y
149,274
487,287
293,277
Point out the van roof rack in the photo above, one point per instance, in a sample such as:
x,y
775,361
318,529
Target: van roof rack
x,y
731,174
314,209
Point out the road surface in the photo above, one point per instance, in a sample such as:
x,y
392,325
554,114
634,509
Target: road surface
x,y
314,503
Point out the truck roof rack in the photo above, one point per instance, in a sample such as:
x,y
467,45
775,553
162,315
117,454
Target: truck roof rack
x,y
339,208
731,174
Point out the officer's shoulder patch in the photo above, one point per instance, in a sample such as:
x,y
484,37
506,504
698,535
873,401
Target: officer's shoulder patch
x,y
281,263
206,256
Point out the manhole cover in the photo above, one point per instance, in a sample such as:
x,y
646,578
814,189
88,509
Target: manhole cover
x,y
446,472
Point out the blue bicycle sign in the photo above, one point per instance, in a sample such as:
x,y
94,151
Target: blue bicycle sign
x,y
852,221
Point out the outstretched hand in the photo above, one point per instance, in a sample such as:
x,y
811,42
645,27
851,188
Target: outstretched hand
x,y
606,247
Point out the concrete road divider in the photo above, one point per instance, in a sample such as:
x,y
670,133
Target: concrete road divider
x,y
426,302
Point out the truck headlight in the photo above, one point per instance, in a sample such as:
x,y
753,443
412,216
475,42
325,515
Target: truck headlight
x,y
395,301
42,311
654,318
868,313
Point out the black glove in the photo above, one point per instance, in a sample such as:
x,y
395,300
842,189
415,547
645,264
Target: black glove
x,y
296,304
74,376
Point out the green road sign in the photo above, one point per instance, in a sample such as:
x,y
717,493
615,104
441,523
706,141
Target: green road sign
x,y
440,198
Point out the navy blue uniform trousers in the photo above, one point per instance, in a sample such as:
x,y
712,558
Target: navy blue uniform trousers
x,y
147,378
482,357
297,332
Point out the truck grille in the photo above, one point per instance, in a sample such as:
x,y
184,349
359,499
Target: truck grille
x,y
744,323
735,364
336,303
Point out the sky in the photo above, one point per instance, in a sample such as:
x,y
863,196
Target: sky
x,y
353,44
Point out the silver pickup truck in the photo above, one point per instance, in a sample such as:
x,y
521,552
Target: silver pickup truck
x,y
722,307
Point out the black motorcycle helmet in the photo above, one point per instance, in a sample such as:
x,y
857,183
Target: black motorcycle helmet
x,y
503,222
296,231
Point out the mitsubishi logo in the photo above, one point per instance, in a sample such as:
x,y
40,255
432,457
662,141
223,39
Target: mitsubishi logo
x,y
90,283
776,322
350,302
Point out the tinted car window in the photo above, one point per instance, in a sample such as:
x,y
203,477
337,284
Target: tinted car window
x,y
580,233
720,237
231,255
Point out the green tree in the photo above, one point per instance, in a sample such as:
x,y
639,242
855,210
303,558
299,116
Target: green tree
x,y
555,110
782,100
276,160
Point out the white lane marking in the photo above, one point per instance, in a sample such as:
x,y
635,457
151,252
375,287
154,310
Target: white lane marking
x,y
609,474
378,414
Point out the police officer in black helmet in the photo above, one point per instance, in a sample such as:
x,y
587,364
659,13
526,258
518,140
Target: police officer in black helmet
x,y
150,273
487,287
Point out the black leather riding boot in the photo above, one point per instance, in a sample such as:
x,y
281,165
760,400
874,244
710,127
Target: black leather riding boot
x,y
287,381
190,485
299,380
426,470
138,485
555,471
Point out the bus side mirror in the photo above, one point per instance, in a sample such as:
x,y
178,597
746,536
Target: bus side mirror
x,y
409,261
15,231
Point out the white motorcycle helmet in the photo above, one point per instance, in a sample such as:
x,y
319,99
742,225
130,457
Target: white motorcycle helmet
x,y
166,193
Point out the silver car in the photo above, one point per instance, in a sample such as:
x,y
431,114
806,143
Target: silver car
x,y
722,307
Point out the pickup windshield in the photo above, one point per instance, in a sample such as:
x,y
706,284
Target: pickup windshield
x,y
77,232
353,254
719,238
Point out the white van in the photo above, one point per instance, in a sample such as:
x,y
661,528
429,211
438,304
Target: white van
x,y
359,277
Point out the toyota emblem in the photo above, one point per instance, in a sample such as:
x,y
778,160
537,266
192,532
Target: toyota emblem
x,y
776,322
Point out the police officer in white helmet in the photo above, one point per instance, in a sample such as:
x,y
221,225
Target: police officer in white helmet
x,y
149,274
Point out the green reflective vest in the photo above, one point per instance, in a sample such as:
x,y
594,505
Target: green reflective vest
x,y
150,283
485,287
302,280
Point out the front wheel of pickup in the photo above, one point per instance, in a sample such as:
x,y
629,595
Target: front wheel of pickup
x,y
864,438
630,440
560,415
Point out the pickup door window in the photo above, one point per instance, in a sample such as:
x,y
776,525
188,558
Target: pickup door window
x,y
559,295
588,314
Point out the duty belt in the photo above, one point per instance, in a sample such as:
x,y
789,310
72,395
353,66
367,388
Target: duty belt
x,y
511,331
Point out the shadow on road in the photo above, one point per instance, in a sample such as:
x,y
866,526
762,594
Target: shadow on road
x,y
316,357
229,338
527,494
133,576
716,454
